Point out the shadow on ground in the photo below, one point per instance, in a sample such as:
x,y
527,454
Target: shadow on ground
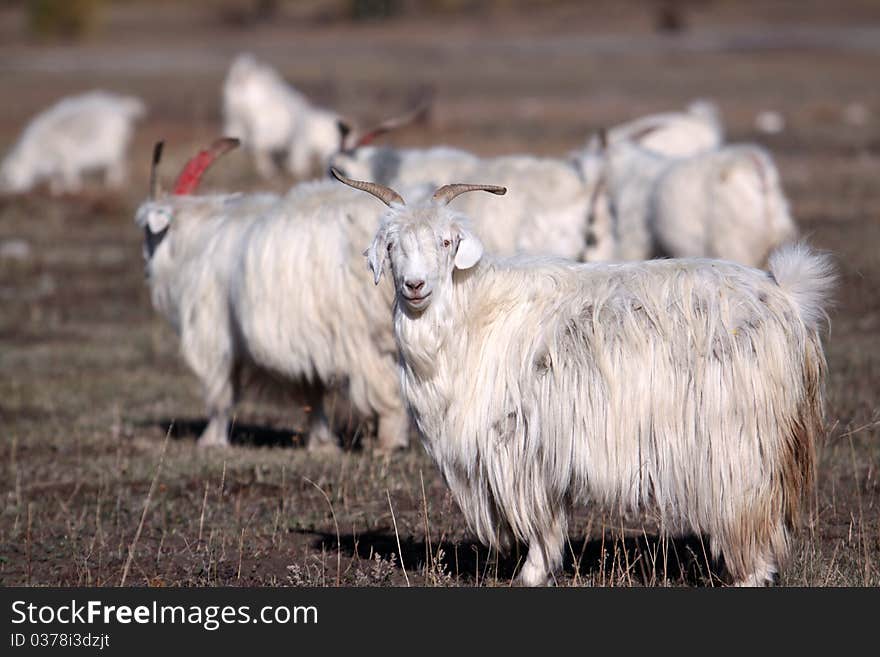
x,y
631,561
242,434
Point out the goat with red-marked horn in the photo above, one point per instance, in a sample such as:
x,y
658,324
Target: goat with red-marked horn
x,y
158,212
227,270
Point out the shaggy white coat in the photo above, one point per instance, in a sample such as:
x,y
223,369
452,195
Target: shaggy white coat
x,y
725,204
689,391
258,284
272,118
88,133
672,134
544,212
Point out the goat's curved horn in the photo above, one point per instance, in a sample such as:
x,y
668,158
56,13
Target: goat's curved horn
x,y
393,123
639,135
155,183
191,175
446,193
381,192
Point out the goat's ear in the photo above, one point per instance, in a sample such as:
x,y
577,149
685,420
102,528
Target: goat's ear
x,y
376,254
158,220
470,250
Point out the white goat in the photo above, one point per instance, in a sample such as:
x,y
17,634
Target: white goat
x,y
689,390
78,135
726,203
258,284
273,119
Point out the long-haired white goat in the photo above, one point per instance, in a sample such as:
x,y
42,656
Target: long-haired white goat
x,y
258,284
80,134
688,390
727,203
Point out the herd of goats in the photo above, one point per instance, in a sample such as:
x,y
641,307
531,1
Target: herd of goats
x,y
632,326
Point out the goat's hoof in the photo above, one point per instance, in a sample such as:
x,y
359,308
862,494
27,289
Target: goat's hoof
x,y
206,442
329,448
381,449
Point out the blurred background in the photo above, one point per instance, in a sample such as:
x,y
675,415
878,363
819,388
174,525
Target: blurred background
x,y
505,75
90,377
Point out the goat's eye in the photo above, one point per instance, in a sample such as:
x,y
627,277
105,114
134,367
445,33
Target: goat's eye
x,y
446,243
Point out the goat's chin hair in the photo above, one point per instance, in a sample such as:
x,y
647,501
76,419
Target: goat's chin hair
x,y
410,311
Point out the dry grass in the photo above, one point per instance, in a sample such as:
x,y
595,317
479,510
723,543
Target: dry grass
x,y
90,382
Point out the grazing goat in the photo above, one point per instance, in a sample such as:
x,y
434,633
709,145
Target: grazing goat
x,y
689,390
273,119
78,135
257,284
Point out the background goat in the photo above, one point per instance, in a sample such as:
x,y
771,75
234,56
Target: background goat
x,y
78,135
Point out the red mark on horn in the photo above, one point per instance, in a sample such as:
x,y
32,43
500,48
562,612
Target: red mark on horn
x,y
191,175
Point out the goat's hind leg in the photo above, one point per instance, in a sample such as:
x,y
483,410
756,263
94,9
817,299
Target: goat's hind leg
x,y
752,552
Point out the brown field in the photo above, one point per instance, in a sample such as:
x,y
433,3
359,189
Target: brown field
x,y
90,379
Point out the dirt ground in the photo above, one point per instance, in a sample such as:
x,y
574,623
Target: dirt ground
x,y
91,382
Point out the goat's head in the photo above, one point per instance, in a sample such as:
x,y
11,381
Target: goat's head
x,y
424,243
156,214
355,146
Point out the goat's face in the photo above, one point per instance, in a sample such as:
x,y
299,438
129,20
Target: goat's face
x,y
424,242
423,245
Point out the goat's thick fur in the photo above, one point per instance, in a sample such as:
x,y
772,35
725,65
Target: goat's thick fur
x,y
88,133
254,283
726,203
689,390
273,119
545,212
671,134
550,208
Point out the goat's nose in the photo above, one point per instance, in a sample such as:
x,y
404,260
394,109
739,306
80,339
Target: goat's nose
x,y
415,286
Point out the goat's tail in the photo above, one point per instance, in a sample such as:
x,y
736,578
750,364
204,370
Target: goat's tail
x,y
807,277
